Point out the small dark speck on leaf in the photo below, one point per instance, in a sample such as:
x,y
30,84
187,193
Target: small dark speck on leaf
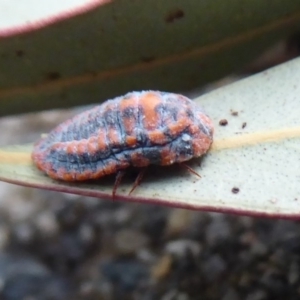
x,y
147,59
174,15
53,75
244,125
235,190
234,113
20,53
223,122
63,95
93,73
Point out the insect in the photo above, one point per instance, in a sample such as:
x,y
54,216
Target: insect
x,y
137,129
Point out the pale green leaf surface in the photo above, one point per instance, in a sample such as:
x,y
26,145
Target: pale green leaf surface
x,y
261,160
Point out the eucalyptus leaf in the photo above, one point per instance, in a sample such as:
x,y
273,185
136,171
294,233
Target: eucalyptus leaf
x,y
131,45
252,167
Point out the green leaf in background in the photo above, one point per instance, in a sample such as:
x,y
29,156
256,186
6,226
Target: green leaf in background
x,y
18,16
132,45
252,167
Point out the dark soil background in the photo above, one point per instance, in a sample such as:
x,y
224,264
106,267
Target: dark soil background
x,y
56,246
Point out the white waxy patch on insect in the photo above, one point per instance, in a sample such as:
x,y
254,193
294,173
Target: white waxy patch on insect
x,y
186,137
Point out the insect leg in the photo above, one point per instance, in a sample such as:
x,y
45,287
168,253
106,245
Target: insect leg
x,y
138,179
190,169
118,180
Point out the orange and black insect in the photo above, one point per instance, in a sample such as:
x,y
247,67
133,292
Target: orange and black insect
x,y
138,129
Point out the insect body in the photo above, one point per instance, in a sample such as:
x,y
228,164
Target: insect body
x,y
138,129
